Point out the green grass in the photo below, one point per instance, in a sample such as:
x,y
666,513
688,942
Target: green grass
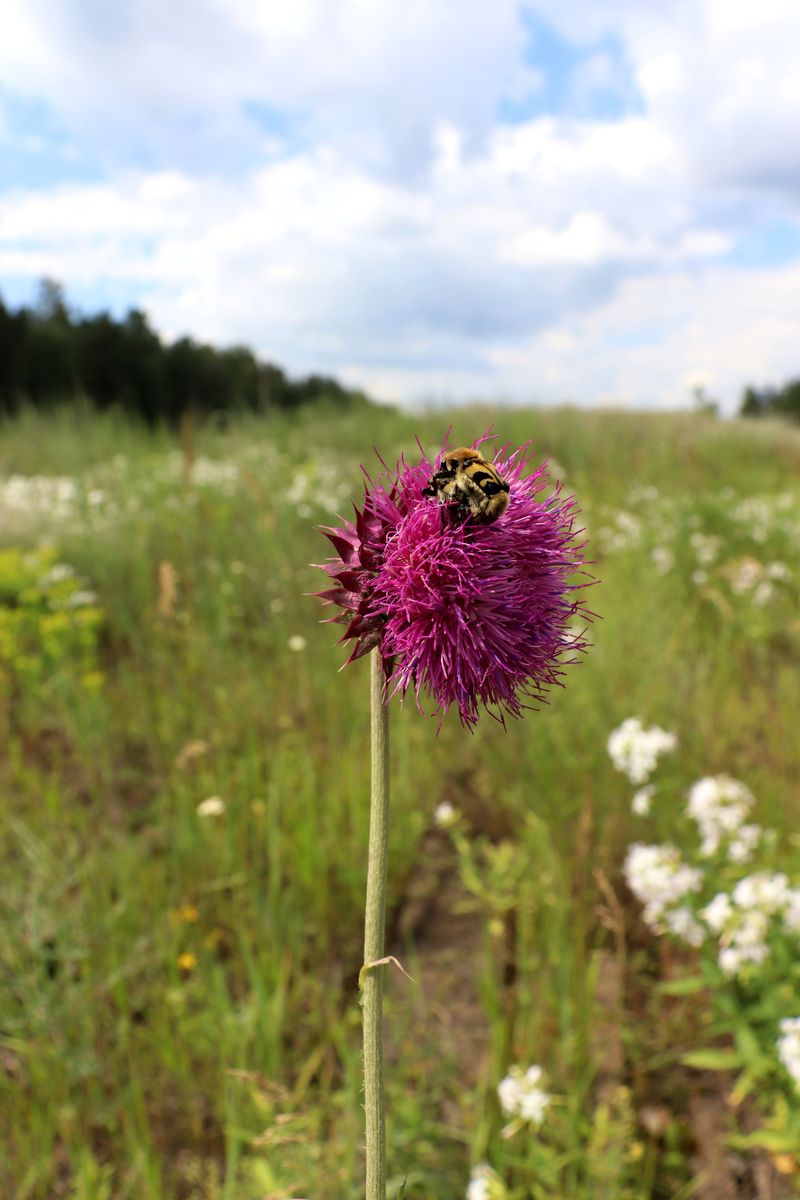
x,y
124,1074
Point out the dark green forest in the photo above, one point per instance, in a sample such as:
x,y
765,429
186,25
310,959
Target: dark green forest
x,y
781,401
50,353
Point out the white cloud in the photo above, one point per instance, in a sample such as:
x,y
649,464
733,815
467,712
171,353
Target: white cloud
x,y
657,336
719,77
173,83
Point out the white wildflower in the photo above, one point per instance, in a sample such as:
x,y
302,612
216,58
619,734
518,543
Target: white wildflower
x,y
663,559
210,472
745,575
635,750
80,599
718,912
213,806
521,1096
642,801
682,924
57,574
297,643
763,593
719,806
779,571
743,846
445,815
765,891
791,912
732,959
484,1184
706,548
659,879
788,1047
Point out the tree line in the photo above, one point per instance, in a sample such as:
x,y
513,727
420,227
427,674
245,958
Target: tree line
x,y
773,401
50,353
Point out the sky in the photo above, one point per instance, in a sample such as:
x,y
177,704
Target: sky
x,y
590,201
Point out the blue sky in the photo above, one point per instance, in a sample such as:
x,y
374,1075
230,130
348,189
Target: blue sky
x,y
596,202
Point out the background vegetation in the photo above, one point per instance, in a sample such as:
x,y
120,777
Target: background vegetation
x,y
49,353
184,817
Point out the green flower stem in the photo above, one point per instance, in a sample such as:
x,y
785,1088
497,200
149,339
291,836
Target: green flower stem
x,y
371,977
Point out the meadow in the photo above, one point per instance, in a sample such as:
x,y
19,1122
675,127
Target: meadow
x,y
184,826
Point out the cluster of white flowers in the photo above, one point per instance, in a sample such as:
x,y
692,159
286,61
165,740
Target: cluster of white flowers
x,y
58,573
788,1047
719,806
522,1096
317,484
660,879
749,576
624,532
643,494
746,575
706,547
761,515
215,473
28,499
779,571
741,920
663,559
635,750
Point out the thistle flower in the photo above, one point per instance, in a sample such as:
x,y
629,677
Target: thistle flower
x,y
461,613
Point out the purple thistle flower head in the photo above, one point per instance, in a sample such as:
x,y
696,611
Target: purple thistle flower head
x,y
462,613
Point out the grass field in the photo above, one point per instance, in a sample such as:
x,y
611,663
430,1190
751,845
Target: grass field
x,y
184,808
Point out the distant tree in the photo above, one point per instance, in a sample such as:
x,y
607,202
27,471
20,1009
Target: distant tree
x,y
49,370
13,342
752,403
273,388
51,305
703,403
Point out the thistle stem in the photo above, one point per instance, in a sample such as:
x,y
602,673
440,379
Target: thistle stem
x,y
371,978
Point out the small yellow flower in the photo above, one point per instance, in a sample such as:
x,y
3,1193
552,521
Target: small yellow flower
x,y
786,1164
187,961
185,914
